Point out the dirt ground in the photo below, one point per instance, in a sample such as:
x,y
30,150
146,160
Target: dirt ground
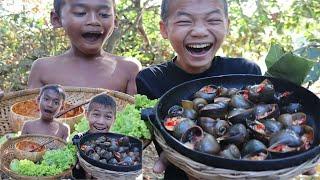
x,y
149,157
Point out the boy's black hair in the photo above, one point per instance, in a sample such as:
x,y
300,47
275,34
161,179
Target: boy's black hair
x,y
165,9
105,100
57,4
57,88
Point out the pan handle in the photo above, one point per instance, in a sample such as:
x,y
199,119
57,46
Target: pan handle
x,y
76,139
149,114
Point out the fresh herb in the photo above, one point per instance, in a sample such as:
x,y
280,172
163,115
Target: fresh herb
x,y
129,121
80,127
54,162
141,101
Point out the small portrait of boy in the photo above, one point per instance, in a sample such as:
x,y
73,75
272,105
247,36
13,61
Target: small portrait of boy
x,y
50,100
101,113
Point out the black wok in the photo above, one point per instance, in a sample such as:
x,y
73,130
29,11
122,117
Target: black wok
x,y
309,101
120,168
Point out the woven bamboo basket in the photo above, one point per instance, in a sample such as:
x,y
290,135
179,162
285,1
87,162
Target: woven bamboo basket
x,y
100,173
75,95
196,170
19,114
8,154
22,153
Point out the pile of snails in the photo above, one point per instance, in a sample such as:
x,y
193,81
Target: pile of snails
x,y
252,123
112,151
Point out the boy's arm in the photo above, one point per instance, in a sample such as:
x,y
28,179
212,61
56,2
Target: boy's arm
x,y
25,128
131,86
65,132
34,80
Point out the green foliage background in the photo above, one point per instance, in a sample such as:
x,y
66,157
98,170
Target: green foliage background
x,y
25,37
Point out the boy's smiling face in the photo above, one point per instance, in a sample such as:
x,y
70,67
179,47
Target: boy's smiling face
x,y
88,24
100,118
196,30
50,103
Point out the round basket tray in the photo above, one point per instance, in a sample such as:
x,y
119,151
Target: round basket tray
x,y
75,95
201,171
8,154
100,173
26,110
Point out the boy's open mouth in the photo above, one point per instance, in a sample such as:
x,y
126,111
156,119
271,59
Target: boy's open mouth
x,y
48,111
99,128
199,49
92,36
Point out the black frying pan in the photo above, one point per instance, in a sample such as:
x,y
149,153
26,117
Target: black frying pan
x,y
310,102
133,141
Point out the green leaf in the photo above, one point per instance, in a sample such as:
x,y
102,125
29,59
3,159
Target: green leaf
x,y
291,67
274,54
312,52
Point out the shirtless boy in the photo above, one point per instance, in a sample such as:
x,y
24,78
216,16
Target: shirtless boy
x,y
50,100
88,24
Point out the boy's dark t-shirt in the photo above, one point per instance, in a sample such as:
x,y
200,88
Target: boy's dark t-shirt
x,y
78,173
157,80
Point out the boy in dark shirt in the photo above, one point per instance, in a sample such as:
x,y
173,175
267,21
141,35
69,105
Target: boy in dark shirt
x,y
101,115
196,30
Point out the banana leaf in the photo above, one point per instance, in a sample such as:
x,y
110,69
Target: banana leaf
x,y
312,52
295,67
274,54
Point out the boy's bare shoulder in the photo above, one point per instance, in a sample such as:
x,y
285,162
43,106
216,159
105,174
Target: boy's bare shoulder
x,y
48,61
31,123
63,125
128,62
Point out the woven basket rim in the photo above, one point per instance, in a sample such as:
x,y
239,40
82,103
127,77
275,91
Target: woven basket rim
x,y
188,166
15,94
96,170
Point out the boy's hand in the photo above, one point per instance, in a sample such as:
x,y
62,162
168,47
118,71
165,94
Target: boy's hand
x,y
161,164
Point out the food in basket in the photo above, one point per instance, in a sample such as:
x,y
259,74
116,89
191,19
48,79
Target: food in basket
x,y
112,151
29,110
54,162
29,150
255,120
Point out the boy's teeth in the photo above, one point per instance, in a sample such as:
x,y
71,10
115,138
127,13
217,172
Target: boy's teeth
x,y
199,45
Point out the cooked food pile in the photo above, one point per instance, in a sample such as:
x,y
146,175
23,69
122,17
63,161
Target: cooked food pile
x,y
29,146
30,108
252,123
